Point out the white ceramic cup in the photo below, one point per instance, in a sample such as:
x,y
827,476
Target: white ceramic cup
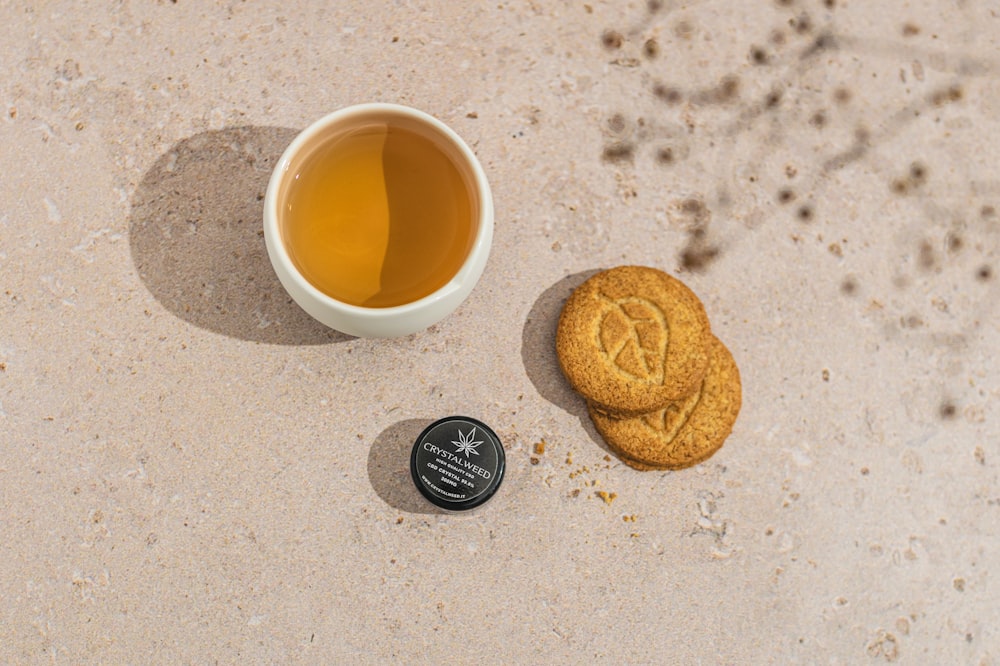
x,y
379,321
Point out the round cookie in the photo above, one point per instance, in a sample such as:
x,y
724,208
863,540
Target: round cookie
x,y
682,434
632,339
666,423
635,464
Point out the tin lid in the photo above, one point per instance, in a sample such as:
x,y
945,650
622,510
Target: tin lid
x,y
457,463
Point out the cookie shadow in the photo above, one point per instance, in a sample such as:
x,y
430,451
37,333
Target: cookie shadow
x,y
538,352
197,242
389,467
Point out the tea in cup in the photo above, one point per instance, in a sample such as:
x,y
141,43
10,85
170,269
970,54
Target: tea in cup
x,y
378,220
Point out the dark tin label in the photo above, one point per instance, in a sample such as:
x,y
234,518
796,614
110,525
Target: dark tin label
x,y
457,463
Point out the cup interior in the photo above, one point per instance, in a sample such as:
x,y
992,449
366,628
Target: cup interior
x,y
354,119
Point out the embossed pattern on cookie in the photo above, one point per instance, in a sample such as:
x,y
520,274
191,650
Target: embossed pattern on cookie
x,y
632,339
684,433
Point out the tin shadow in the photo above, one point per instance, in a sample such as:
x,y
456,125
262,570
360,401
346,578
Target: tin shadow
x,y
389,467
538,352
195,231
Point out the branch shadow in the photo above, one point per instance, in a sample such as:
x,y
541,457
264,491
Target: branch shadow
x,y
389,467
538,352
196,236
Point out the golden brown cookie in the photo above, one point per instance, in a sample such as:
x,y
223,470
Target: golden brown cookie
x,y
665,422
684,433
632,339
632,462
635,464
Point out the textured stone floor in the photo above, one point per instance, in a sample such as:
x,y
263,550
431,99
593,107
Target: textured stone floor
x,y
193,471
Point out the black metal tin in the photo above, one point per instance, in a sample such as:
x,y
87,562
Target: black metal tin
x,y
457,463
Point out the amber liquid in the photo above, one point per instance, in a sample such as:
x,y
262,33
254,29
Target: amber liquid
x,y
379,216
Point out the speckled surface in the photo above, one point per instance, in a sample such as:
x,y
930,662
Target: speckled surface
x,y
192,471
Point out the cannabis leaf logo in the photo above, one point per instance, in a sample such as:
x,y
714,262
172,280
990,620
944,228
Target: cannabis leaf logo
x,y
465,444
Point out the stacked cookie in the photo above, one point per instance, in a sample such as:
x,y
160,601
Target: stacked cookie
x,y
661,389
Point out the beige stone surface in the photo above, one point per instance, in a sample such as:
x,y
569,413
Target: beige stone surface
x,y
192,471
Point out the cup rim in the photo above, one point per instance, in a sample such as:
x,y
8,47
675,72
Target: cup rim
x,y
480,244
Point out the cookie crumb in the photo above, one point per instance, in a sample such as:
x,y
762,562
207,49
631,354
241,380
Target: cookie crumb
x,y
540,447
606,496
399,521
534,460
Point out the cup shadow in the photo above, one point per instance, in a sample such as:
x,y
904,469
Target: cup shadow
x,y
389,467
538,352
197,242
